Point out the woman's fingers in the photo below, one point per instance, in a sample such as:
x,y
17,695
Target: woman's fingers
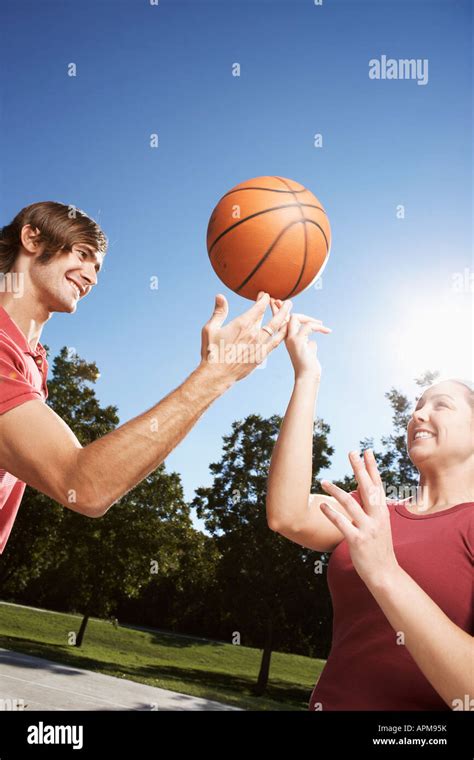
x,y
361,474
372,493
293,326
303,319
346,500
311,327
371,466
339,520
278,321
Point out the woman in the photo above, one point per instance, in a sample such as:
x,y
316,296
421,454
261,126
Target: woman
x,y
400,573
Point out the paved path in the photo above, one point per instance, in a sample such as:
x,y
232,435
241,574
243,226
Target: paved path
x,y
45,685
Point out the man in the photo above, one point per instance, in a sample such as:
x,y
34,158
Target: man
x,y
55,252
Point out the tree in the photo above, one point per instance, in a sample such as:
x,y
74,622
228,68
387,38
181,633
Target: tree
x,y
259,570
36,542
118,555
78,563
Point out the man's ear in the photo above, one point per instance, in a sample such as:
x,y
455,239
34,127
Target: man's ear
x,y
28,237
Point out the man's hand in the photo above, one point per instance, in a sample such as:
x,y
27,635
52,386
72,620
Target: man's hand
x,y
235,350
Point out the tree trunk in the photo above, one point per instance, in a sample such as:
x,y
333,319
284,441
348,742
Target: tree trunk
x,y
82,630
262,680
90,607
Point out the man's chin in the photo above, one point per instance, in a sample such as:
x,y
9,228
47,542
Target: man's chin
x,y
66,307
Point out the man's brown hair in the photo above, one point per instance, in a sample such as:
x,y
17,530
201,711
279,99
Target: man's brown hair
x,y
60,227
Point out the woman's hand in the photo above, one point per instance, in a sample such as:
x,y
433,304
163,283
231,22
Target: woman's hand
x,y
302,351
369,535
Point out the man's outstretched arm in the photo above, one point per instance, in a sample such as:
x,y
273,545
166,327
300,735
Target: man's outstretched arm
x,y
39,448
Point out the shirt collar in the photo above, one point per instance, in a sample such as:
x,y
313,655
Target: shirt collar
x,y
11,327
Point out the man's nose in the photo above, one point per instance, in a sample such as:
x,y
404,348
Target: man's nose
x,y
90,275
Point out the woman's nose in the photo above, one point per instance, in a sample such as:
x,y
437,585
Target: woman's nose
x,y
420,416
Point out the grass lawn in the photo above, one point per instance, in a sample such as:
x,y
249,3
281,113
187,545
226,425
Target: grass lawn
x,y
207,669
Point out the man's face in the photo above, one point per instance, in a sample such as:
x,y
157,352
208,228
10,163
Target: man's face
x,y
66,278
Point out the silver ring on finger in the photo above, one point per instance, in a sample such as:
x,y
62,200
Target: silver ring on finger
x,y
268,330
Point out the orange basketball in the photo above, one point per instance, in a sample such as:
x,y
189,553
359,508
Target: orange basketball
x,y
271,234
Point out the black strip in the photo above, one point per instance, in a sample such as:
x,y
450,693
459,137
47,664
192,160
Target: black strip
x,y
305,244
303,266
319,227
269,250
259,213
268,189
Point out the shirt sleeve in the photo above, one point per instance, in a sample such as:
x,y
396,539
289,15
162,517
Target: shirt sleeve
x,y
15,388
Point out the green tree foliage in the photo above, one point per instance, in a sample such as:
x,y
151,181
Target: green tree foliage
x,y
260,573
65,560
145,560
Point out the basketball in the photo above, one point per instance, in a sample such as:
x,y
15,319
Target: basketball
x,y
270,234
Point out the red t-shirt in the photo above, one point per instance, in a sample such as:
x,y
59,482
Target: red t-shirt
x,y
23,375
367,669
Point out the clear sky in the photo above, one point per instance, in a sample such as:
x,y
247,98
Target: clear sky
x,y
396,291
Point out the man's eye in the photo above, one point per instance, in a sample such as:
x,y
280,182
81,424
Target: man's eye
x,y
443,403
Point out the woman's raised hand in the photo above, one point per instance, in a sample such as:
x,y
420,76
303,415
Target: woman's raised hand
x,y
302,351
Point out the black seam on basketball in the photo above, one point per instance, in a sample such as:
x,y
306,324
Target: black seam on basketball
x,y
305,245
304,263
309,220
290,190
269,189
259,213
323,233
269,250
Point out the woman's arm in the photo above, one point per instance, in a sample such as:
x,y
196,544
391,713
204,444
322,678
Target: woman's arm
x,y
443,651
291,509
291,466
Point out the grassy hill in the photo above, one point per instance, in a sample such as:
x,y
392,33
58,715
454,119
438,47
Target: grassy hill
x,y
203,668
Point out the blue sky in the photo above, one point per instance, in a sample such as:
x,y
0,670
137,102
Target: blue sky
x,y
395,291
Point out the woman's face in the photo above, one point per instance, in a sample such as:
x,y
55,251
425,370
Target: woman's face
x,y
444,412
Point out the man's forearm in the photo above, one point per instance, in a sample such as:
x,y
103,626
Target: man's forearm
x,y
111,466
